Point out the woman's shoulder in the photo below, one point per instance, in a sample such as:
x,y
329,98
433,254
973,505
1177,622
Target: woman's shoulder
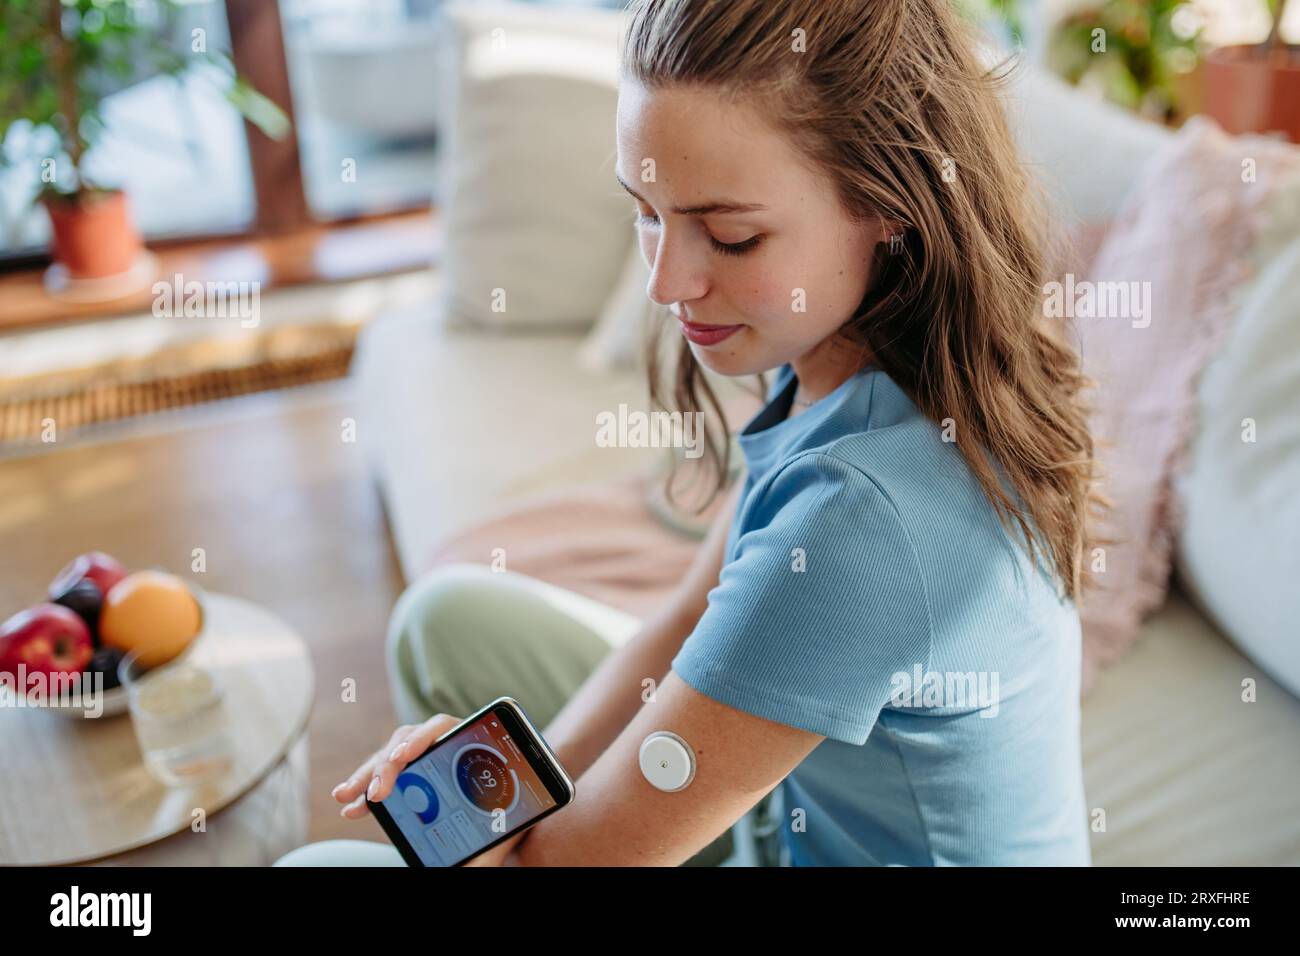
x,y
895,475
917,462
822,506
963,549
813,481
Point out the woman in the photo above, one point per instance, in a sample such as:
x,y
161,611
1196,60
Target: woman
x,y
883,620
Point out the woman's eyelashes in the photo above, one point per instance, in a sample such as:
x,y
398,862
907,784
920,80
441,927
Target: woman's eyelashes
x,y
726,248
735,248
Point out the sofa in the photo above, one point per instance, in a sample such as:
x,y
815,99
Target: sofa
x,y
467,411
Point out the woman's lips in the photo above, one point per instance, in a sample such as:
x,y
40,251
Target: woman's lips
x,y
707,334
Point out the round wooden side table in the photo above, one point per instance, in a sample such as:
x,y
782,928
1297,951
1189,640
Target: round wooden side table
x,y
75,789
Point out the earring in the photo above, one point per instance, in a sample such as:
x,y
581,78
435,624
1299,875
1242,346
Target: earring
x,y
895,243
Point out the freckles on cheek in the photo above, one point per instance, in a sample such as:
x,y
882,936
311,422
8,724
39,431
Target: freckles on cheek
x,y
766,299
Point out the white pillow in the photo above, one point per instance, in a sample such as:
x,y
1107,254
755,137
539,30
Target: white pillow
x,y
1084,151
617,340
1239,549
536,227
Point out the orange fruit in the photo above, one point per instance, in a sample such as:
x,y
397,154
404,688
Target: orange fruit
x,y
152,613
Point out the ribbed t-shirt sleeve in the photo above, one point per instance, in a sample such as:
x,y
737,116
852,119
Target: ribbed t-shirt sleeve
x,y
821,604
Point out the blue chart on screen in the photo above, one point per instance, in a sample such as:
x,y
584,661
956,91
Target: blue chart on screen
x,y
419,796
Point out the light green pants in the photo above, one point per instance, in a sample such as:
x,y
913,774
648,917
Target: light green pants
x,y
464,635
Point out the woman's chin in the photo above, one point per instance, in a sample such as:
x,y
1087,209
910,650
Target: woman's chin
x,y
732,362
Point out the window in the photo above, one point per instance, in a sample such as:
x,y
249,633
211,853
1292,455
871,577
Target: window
x,y
175,145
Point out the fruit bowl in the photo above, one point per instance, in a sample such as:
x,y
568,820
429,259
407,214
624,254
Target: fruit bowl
x,y
117,700
96,616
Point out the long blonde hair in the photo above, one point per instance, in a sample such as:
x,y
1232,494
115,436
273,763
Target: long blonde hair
x,y
888,99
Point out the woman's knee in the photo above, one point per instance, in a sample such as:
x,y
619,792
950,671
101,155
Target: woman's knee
x,y
342,853
429,633
450,594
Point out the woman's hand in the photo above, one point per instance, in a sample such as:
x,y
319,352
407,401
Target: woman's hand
x,y
375,777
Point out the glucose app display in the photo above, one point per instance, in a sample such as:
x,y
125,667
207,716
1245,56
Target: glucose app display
x,y
446,801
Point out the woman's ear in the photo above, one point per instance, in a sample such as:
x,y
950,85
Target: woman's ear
x,y
889,228
891,235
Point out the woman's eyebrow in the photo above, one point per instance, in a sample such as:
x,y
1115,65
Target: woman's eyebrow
x,y
719,206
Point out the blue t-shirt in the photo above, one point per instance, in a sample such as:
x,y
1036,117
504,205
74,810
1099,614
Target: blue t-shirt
x,y
869,594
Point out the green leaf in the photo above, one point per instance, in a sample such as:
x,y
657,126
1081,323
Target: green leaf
x,y
258,110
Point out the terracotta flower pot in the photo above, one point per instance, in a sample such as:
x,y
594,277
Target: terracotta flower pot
x,y
93,234
1251,90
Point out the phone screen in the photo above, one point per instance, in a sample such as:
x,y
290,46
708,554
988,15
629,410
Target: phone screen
x,y
470,790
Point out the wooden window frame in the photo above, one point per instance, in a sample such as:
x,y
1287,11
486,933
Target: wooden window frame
x,y
257,47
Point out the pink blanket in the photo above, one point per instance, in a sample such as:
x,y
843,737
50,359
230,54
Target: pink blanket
x,y
1179,249
603,541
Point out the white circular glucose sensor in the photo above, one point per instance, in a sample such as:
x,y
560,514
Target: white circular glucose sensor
x,y
667,761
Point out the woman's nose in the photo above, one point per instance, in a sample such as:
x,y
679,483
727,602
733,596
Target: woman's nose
x,y
674,275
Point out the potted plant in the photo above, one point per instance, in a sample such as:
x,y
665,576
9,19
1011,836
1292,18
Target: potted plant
x,y
62,58
1256,88
1139,55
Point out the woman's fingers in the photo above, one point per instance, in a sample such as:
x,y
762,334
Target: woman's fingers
x,y
374,779
402,750
356,809
421,736
355,786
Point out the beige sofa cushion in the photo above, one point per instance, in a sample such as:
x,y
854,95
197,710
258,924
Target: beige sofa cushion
x,y
1186,771
459,424
537,229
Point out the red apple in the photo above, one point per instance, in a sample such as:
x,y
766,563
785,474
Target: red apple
x,y
47,638
103,569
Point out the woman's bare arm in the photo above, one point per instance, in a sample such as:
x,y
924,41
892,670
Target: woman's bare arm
x,y
605,705
619,819
609,698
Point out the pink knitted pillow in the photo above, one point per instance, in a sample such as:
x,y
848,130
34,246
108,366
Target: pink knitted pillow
x,y
1150,312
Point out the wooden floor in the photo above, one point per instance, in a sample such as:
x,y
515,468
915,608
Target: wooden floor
x,y
287,515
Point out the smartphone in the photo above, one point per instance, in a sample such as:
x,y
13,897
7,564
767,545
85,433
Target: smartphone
x,y
486,779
